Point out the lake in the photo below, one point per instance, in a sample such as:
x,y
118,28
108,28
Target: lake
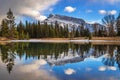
x,y
59,61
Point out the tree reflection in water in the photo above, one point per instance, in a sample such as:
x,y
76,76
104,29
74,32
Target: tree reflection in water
x,y
118,56
57,51
8,57
109,59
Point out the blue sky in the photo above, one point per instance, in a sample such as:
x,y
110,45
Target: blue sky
x,y
89,10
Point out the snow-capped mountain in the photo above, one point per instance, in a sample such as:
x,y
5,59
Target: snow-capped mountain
x,y
71,22
64,19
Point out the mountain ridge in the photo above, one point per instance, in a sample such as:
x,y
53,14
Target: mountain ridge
x,y
71,22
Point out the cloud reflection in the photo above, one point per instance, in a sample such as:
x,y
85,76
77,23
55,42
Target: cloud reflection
x,y
31,71
88,69
69,71
104,68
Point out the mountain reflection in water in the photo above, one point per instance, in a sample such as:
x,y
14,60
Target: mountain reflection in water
x,y
59,61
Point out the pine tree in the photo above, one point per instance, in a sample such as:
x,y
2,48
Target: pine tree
x,y
66,32
95,30
20,29
77,33
5,30
56,29
11,24
27,36
118,25
99,33
13,32
82,34
86,32
72,32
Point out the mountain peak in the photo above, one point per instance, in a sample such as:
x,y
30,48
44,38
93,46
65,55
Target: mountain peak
x,y
64,19
51,15
71,22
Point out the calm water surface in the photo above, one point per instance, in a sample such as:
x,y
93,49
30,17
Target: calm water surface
x,y
59,61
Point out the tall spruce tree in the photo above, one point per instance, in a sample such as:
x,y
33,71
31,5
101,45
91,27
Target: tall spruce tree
x,y
11,24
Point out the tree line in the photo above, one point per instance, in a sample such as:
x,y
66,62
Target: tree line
x,y
27,30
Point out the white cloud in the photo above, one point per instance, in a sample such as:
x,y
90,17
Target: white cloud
x,y
51,9
69,71
69,9
89,11
102,11
112,12
34,14
30,8
112,2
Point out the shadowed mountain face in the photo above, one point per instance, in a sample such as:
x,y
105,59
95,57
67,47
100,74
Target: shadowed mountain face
x,y
58,59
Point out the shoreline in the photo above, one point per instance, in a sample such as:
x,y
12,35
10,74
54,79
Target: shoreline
x,y
86,41
52,40
69,40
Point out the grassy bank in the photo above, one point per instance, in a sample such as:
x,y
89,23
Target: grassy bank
x,y
84,38
106,38
80,40
4,39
